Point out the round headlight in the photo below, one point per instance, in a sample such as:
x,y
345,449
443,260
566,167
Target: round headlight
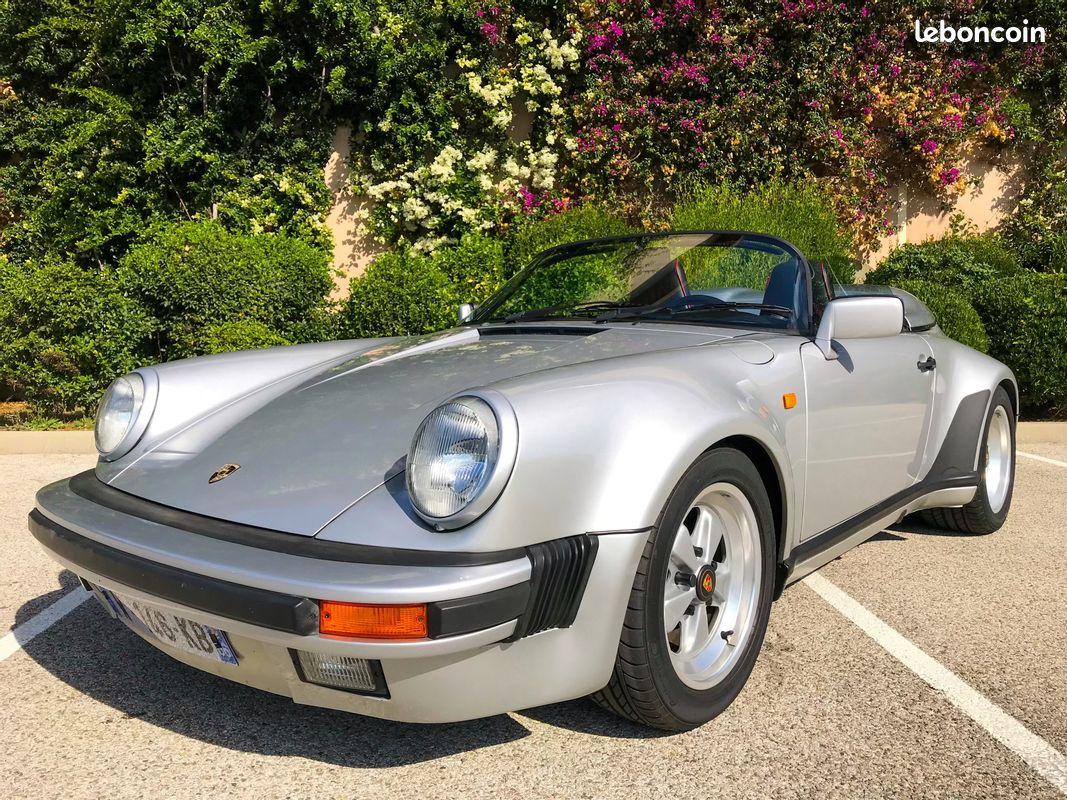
x,y
455,469
118,413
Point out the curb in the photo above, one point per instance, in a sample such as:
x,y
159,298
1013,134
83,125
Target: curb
x,y
47,442
1042,433
81,442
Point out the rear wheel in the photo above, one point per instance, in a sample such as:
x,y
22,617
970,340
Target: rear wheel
x,y
989,508
700,601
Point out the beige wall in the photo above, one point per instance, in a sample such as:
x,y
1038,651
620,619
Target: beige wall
x,y
920,216
353,246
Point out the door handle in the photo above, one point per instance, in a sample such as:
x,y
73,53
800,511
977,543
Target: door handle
x,y
926,365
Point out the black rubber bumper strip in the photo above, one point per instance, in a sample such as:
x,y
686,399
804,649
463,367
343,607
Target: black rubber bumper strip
x,y
262,607
87,486
267,609
838,533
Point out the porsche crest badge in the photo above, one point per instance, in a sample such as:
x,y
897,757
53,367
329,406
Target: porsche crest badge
x,y
225,471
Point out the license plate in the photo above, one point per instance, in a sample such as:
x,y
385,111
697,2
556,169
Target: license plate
x,y
170,629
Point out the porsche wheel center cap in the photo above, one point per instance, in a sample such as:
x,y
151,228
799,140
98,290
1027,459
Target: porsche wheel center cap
x,y
705,583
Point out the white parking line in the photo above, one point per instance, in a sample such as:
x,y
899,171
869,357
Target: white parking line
x,y
1041,458
1042,757
23,633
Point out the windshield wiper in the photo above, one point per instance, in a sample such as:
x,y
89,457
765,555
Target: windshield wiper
x,y
693,308
565,310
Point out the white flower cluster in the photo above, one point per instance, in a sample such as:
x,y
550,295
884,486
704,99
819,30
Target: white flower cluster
x,y
535,168
428,199
539,58
461,185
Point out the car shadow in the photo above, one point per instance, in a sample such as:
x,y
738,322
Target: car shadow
x,y
914,525
585,716
885,536
68,582
100,657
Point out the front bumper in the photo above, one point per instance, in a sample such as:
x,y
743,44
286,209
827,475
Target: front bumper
x,y
507,631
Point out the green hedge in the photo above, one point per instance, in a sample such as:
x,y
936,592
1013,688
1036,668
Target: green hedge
x,y
197,275
802,215
242,334
963,262
954,313
474,266
405,292
528,237
402,293
980,294
1025,316
67,332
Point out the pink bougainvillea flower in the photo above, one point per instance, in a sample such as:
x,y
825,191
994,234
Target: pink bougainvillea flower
x,y
949,176
953,121
529,199
929,146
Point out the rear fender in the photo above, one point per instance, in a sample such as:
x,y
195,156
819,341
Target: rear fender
x,y
965,382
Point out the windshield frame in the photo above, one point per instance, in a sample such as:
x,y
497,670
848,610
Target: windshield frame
x,y
553,255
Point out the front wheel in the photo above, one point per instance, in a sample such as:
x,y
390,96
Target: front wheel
x,y
989,508
700,601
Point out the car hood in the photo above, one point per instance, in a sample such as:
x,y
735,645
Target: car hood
x,y
313,451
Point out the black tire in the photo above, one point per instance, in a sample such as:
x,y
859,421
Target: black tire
x,y
644,686
978,517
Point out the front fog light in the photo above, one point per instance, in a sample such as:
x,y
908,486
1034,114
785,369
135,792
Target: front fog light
x,y
341,672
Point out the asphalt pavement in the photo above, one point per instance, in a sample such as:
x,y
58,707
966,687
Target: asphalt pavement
x,y
87,709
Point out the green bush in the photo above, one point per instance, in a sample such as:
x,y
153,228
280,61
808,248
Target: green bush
x,y
1025,316
802,215
68,332
402,293
954,313
226,337
475,266
529,237
963,262
405,292
574,280
196,275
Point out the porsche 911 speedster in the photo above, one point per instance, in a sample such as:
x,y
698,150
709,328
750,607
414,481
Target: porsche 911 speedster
x,y
598,482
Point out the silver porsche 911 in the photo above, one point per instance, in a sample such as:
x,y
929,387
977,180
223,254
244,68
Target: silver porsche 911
x,y
597,483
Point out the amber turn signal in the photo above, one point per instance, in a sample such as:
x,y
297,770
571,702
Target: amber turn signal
x,y
372,622
789,400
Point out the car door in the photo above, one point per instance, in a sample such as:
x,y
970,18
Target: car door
x,y
869,416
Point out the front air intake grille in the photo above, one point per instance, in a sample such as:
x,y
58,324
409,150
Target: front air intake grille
x,y
559,573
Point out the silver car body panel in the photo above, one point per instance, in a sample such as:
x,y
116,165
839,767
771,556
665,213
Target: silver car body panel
x,y
609,419
310,448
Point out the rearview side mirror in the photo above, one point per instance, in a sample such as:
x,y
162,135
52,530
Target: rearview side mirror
x,y
870,317
466,311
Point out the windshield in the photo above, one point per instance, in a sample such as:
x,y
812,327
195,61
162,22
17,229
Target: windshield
x,y
704,278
